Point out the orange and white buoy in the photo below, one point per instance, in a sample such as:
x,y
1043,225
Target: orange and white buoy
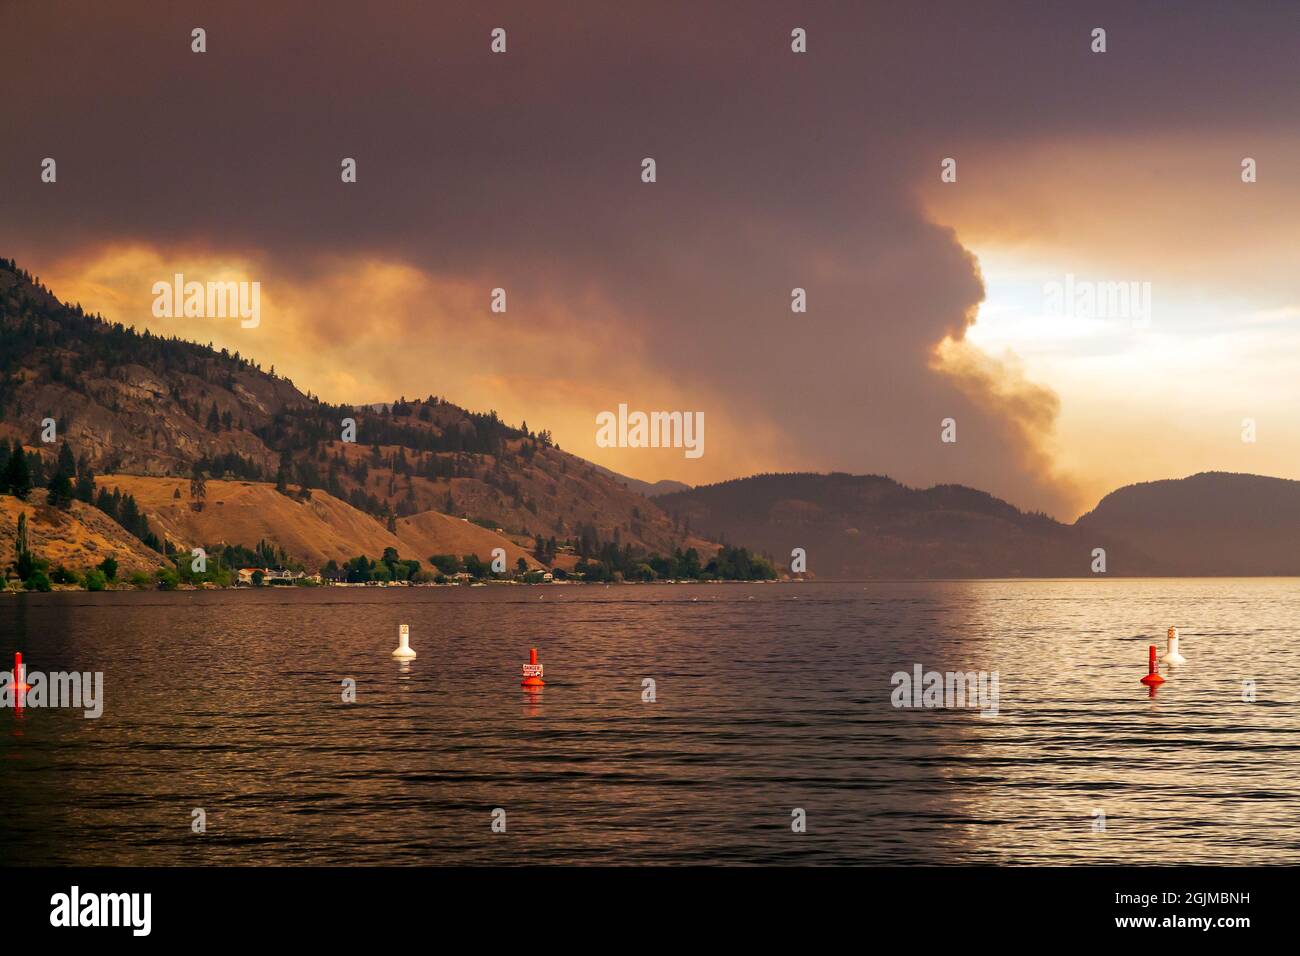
x,y
532,671
1172,656
1153,678
404,652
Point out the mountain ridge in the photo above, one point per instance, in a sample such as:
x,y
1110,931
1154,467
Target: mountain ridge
x,y
870,526
133,403
146,413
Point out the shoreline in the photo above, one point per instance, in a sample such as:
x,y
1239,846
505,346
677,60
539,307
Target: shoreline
x,y
387,585
121,589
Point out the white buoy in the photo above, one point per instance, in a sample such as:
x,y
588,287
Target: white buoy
x,y
1173,657
404,652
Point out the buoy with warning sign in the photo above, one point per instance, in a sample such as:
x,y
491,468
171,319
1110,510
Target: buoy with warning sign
x,y
532,671
1153,678
404,652
1172,656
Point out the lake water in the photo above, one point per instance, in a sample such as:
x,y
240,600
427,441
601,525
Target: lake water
x,y
769,698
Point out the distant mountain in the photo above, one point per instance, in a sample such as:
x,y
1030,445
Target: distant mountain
x,y
648,489
865,526
868,526
1213,523
137,404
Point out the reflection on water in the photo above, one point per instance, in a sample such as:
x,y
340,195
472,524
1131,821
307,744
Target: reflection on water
x,y
769,698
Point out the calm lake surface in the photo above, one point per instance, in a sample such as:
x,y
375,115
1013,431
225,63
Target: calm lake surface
x,y
769,698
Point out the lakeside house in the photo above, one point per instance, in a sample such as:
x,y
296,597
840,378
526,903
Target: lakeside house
x,y
245,576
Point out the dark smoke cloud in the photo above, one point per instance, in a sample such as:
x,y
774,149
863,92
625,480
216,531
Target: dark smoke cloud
x,y
521,170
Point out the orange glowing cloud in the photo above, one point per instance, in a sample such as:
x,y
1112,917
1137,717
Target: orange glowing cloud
x,y
371,331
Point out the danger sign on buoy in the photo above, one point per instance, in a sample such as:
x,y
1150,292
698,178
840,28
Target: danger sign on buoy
x,y
532,671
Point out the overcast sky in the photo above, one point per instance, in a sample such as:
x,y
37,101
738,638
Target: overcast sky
x,y
926,300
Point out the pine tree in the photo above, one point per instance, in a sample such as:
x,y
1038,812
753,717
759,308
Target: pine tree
x,y
18,477
129,515
282,476
67,463
85,490
36,469
106,503
198,483
60,488
25,562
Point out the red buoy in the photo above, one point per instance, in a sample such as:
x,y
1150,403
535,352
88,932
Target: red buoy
x,y
20,674
1153,677
532,671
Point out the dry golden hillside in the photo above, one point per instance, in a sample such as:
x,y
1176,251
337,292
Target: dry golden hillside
x,y
529,489
132,404
432,532
313,532
78,538
142,404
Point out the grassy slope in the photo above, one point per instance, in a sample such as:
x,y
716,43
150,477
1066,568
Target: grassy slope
x,y
432,532
78,538
242,512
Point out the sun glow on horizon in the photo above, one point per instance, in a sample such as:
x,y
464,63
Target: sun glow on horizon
x,y
1144,397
